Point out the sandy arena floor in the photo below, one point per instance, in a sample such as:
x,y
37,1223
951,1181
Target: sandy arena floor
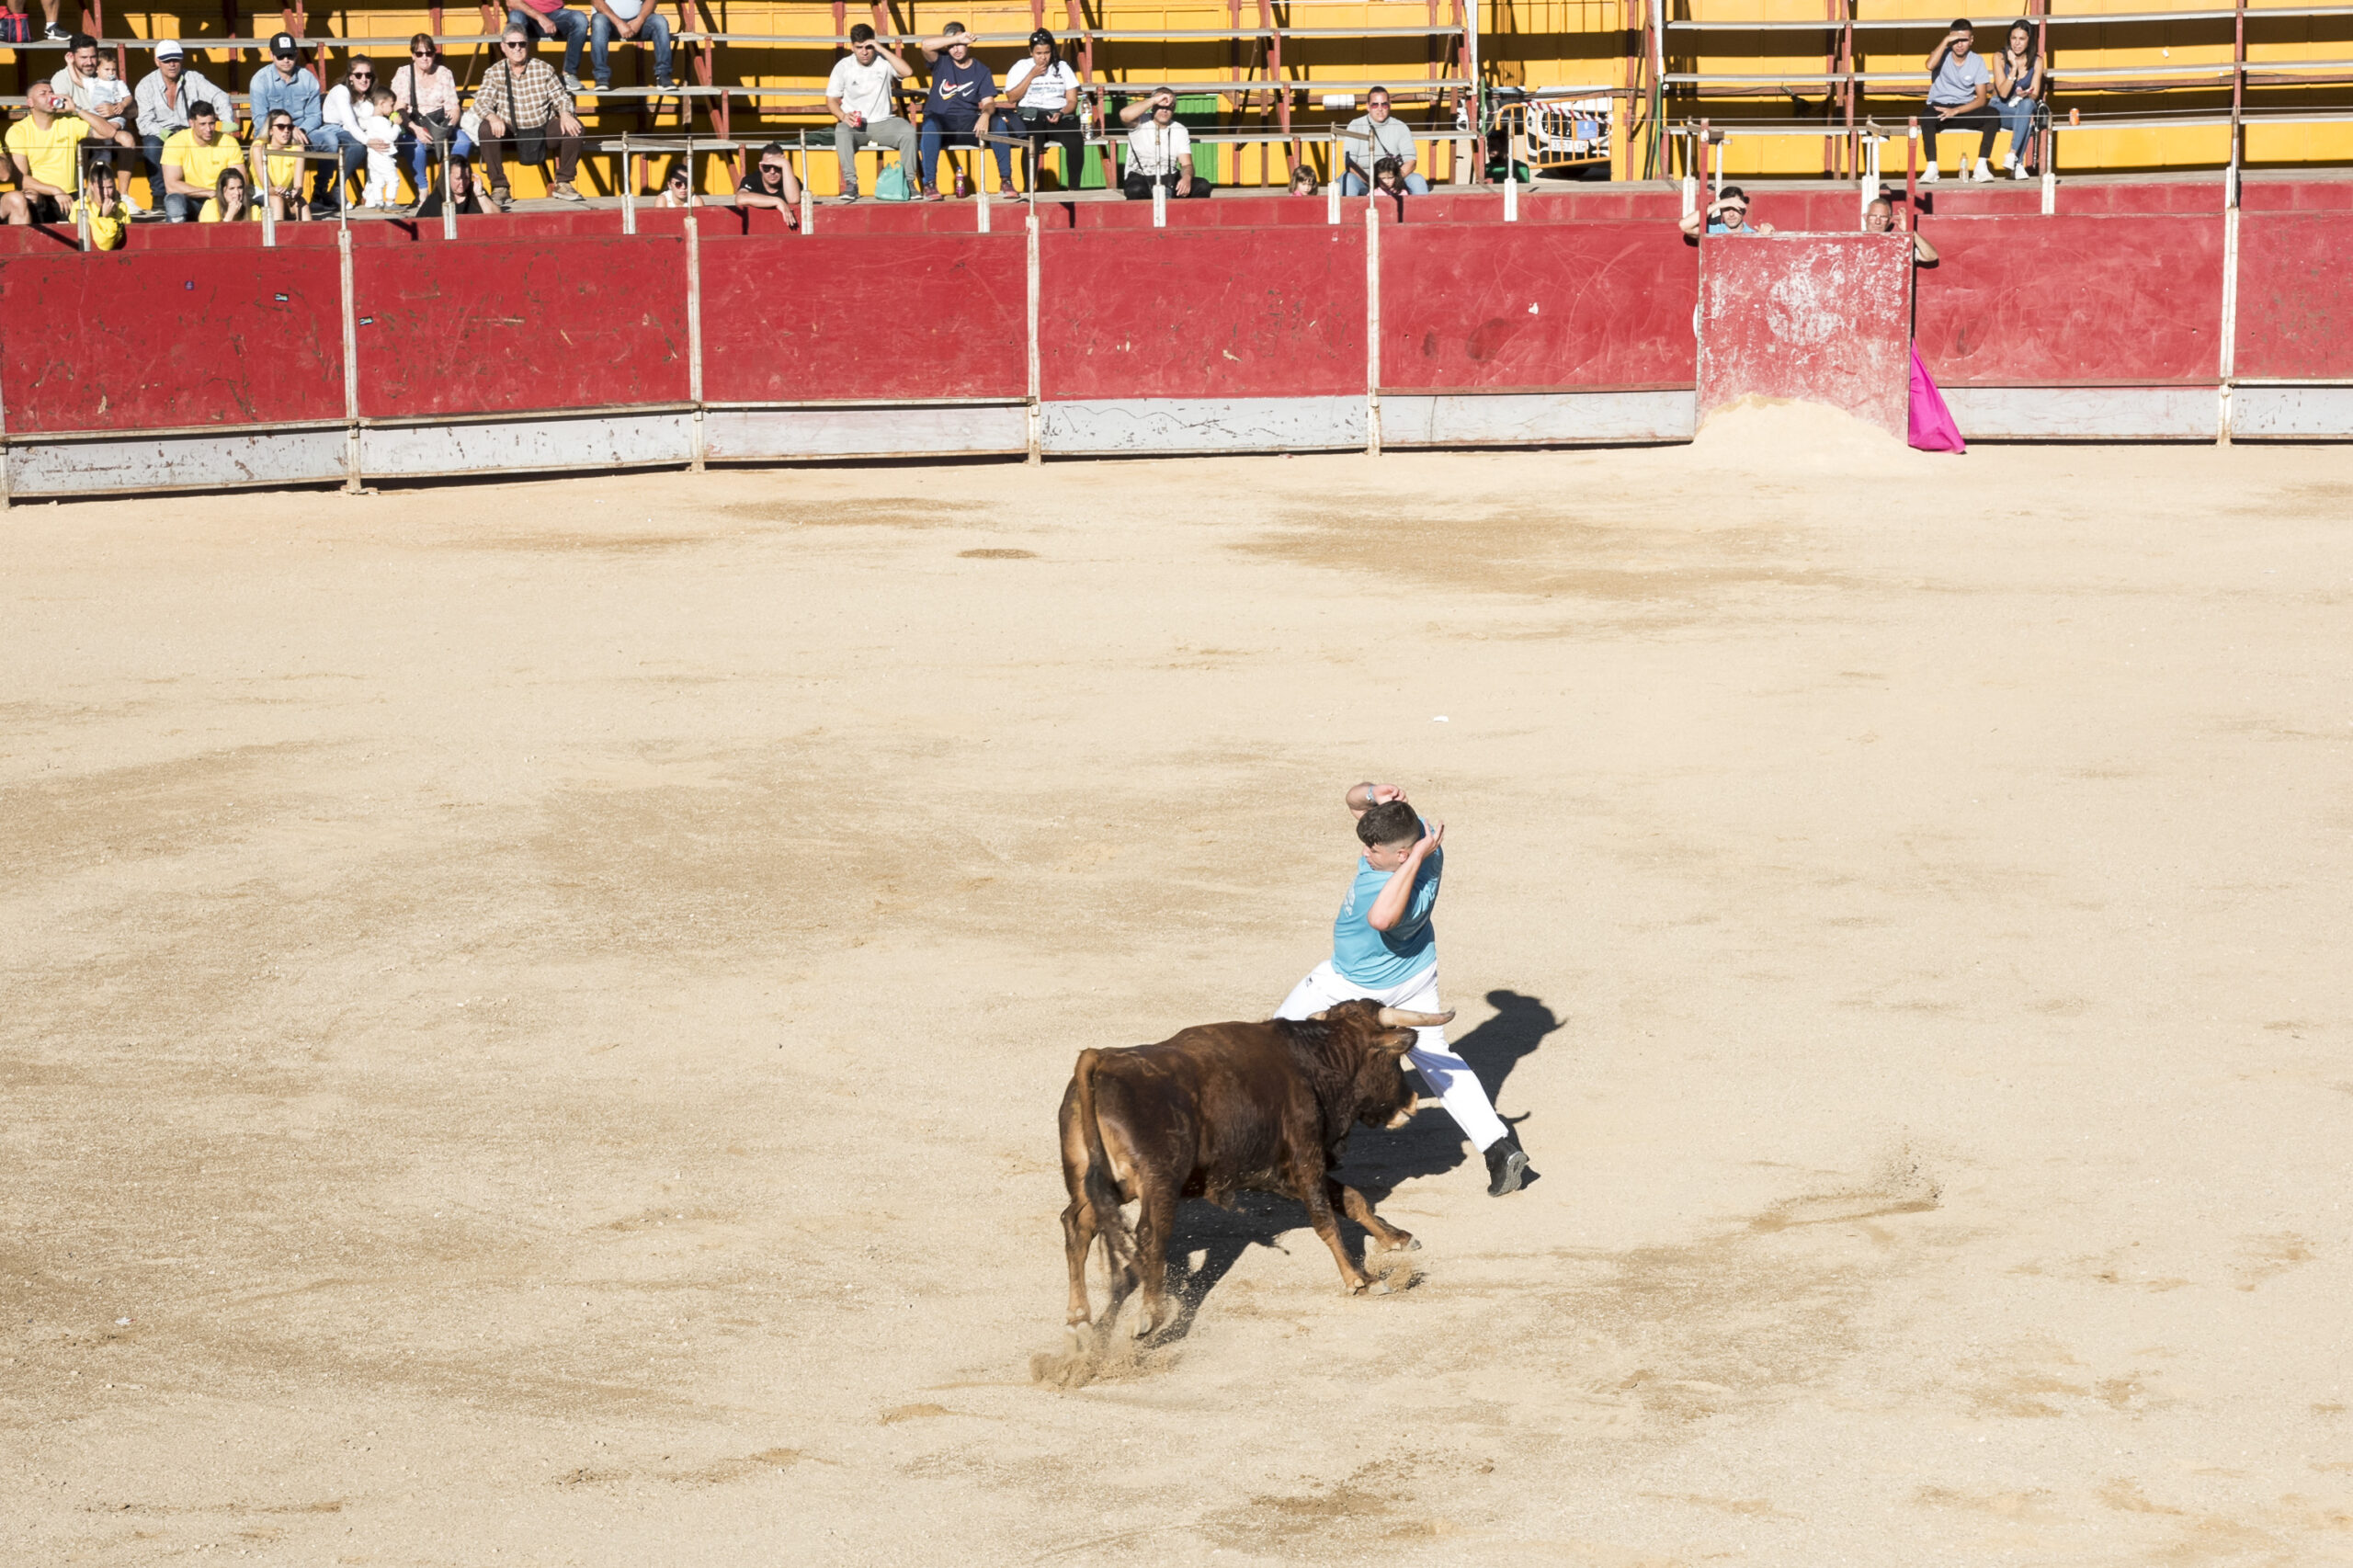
x,y
532,1016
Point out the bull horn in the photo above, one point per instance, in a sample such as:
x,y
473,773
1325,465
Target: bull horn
x,y
1398,1018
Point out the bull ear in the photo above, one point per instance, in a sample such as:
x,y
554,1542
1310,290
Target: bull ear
x,y
1319,1017
1397,1044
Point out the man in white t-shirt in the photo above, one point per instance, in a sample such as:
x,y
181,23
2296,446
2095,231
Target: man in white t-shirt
x,y
1160,151
859,92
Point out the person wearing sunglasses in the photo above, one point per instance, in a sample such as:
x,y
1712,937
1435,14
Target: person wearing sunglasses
x,y
769,183
161,104
344,112
278,169
1727,214
284,84
677,190
426,95
524,108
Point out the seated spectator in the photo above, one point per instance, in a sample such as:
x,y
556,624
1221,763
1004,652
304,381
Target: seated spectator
x,y
101,208
1044,92
1160,151
2017,89
769,183
1728,214
1302,181
231,199
341,114
1879,218
89,84
1959,87
283,84
522,107
1389,177
963,99
862,95
629,21
193,160
162,103
278,169
1388,138
44,146
465,200
677,190
552,19
427,95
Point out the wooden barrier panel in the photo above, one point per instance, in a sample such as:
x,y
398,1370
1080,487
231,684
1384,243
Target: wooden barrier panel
x,y
1825,318
837,318
496,328
1512,306
2295,296
170,340
2081,301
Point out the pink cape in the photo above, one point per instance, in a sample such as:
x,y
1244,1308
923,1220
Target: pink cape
x,y
1932,427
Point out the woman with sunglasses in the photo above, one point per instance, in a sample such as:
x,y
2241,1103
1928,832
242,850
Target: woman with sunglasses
x,y
339,115
278,168
426,97
677,190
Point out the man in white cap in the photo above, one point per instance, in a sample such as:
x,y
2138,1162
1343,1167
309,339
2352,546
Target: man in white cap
x,y
163,100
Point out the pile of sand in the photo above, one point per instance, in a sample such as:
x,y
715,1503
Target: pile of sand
x,y
1783,436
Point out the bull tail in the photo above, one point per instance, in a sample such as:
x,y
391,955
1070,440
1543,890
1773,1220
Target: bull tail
x,y
1102,1191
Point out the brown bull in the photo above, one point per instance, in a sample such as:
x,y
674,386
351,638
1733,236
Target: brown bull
x,y
1216,1109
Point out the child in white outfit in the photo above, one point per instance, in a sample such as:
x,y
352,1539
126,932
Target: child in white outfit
x,y
383,189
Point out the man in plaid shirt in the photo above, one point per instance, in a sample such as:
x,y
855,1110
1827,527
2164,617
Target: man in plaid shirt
x,y
518,97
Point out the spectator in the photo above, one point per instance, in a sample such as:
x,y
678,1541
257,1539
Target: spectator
x,y
2017,88
1160,151
231,199
465,199
769,183
278,169
283,84
519,101
628,21
53,32
1045,92
550,18
101,208
1879,218
340,113
963,99
677,190
427,95
80,83
1728,214
861,93
193,160
162,103
379,132
1303,180
1959,87
44,146
1389,177
1387,138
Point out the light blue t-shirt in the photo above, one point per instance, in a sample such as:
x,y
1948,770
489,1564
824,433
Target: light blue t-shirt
x,y
1958,79
1379,960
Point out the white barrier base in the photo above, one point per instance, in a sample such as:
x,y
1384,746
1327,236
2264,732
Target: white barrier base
x,y
753,435
1535,419
212,460
1175,424
2290,414
2086,414
539,444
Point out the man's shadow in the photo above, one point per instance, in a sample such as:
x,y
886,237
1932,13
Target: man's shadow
x,y
1376,1162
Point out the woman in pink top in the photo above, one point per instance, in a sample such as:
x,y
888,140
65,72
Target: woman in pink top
x,y
424,96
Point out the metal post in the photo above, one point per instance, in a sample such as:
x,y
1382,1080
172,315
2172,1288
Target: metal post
x,y
808,204
350,361
1036,453
2050,172
1511,190
449,203
1160,205
980,192
81,206
1373,332
694,330
629,189
1912,173
1478,96
2228,357
1331,191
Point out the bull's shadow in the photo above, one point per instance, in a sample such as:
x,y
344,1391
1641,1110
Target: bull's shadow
x,y
1377,1162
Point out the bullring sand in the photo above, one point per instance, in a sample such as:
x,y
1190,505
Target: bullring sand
x,y
532,1014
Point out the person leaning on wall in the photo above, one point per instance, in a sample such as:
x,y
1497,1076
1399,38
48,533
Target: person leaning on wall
x,y
1879,218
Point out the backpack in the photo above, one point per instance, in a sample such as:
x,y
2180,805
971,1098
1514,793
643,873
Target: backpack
x,y
16,27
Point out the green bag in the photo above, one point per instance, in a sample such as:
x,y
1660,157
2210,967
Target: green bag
x,y
893,185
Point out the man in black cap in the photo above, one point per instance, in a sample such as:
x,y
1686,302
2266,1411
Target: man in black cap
x,y
284,84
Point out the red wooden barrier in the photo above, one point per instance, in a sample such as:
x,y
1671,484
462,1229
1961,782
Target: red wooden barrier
x,y
833,318
1536,307
1208,312
2295,296
1822,317
170,341
474,327
2083,301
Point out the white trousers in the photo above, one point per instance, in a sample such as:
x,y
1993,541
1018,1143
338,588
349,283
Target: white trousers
x,y
1448,1076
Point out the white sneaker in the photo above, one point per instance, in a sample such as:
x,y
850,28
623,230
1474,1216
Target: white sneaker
x,y
2019,172
1981,173
1931,177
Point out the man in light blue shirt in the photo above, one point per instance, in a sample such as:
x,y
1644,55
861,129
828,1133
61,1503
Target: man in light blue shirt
x,y
1384,949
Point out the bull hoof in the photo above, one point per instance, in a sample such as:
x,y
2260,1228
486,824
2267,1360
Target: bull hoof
x,y
1081,1339
1355,1286
1380,1287
1406,1243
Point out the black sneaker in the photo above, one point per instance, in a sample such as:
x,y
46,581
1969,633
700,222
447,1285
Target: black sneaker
x,y
1506,1165
55,30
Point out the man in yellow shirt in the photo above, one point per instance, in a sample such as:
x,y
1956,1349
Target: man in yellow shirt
x,y
43,146
193,160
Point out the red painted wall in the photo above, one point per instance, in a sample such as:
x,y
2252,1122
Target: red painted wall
x,y
1611,306
476,327
2043,302
170,340
2295,299
1202,312
1825,318
839,317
